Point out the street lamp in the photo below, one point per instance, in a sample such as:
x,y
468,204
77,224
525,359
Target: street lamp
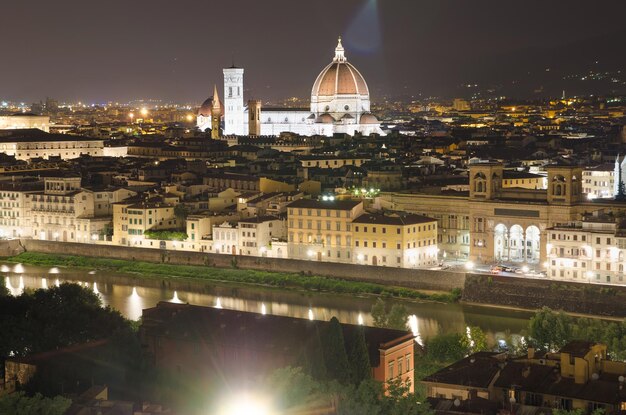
x,y
245,404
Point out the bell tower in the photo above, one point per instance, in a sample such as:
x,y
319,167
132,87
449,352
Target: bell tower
x,y
233,101
485,180
254,117
216,115
565,184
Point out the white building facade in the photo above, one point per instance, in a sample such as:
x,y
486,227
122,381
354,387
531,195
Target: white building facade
x,y
589,251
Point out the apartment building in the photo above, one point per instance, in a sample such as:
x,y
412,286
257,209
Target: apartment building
x,y
255,235
322,229
591,250
599,181
395,240
134,217
15,212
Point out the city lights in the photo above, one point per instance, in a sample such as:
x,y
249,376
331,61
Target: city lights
x,y
264,212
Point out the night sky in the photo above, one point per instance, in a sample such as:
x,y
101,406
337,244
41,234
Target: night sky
x,y
174,50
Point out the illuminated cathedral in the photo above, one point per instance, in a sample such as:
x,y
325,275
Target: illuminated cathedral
x,y
340,103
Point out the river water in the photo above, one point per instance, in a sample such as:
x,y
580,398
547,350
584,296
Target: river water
x,y
130,294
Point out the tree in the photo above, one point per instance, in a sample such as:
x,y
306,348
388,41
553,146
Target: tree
x,y
379,314
314,362
297,392
107,231
295,389
474,340
398,317
335,355
19,404
549,330
50,319
4,291
370,398
446,347
181,212
358,356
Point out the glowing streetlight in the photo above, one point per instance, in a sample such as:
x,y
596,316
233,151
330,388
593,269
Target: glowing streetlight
x,y
132,117
189,118
245,404
469,265
144,112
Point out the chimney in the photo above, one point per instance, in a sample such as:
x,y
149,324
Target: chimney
x,y
531,352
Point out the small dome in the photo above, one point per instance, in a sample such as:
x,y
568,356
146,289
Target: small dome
x,y
205,108
325,119
369,119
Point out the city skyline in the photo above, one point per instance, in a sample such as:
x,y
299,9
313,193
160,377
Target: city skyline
x,y
123,52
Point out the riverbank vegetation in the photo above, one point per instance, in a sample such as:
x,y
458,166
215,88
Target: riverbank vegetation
x,y
236,275
550,330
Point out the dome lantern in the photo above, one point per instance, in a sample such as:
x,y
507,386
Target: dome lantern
x,y
339,52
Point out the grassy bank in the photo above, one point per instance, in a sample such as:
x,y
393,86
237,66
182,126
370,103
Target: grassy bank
x,y
274,279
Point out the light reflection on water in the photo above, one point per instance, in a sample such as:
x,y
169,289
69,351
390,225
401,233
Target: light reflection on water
x,y
426,319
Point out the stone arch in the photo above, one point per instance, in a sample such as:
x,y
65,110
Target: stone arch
x,y
532,250
501,242
558,185
480,182
516,243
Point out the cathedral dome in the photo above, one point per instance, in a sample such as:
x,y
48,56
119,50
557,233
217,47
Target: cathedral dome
x,y
339,78
340,89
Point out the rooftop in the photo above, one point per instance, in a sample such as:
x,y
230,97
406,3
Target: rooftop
x,y
325,204
399,219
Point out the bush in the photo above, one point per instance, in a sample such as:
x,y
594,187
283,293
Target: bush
x,y
165,235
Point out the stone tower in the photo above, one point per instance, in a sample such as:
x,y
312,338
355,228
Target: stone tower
x,y
233,101
216,115
485,180
564,184
254,117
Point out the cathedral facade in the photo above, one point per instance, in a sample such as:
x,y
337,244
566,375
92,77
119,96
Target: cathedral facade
x,y
340,103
